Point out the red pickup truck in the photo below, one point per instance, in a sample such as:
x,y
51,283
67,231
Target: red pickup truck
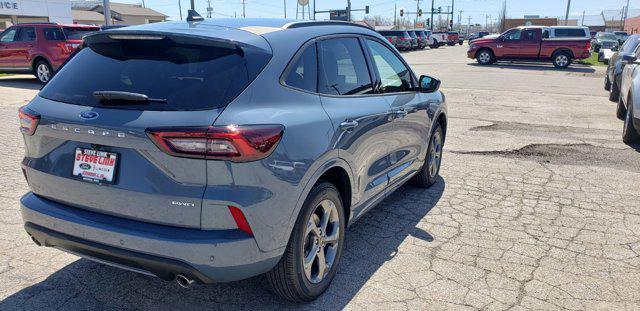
x,y
531,43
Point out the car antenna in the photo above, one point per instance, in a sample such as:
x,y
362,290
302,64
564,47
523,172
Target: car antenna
x,y
193,16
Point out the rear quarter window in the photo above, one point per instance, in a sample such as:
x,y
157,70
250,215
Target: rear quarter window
x,y
569,32
53,34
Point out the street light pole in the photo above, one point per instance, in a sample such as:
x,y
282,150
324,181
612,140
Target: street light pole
x,y
566,16
107,12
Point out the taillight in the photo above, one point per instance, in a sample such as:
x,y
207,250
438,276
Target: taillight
x,y
237,143
67,47
240,220
588,45
28,120
390,39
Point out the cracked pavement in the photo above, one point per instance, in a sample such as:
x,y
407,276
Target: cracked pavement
x,y
538,208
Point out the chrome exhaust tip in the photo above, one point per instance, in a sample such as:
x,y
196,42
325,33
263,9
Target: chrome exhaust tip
x,y
183,280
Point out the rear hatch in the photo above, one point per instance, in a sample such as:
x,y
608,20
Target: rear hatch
x,y
90,149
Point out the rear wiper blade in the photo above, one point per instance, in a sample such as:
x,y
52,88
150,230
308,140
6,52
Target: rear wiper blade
x,y
126,96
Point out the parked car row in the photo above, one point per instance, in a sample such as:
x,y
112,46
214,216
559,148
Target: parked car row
x,y
409,40
623,83
560,45
39,48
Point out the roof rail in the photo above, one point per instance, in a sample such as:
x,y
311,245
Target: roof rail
x,y
302,24
38,23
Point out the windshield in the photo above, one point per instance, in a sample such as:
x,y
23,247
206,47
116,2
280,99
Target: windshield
x,y
188,77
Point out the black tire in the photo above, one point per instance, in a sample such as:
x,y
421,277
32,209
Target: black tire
x,y
460,43
435,44
607,83
485,57
629,132
614,92
43,71
621,111
425,178
561,60
288,278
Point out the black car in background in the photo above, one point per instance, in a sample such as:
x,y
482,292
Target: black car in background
x,y
614,70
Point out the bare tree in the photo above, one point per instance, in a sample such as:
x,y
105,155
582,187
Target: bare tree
x,y
502,17
378,20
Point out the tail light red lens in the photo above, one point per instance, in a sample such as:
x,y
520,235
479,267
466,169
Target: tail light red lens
x,y
240,220
241,143
588,45
68,47
28,120
390,39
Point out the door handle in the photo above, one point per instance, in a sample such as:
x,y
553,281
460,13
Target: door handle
x,y
348,125
400,113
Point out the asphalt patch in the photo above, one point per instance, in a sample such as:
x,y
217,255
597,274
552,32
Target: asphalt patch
x,y
571,154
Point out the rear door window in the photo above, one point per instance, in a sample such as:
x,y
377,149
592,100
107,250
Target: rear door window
x,y
303,73
53,34
27,34
187,76
343,68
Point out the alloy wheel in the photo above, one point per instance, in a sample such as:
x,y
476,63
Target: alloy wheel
x,y
562,60
435,154
321,241
43,72
485,58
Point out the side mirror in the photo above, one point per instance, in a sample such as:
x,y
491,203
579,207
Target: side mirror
x,y
628,59
429,84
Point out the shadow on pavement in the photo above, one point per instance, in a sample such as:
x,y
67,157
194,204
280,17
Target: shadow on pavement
x,y
574,68
371,242
22,82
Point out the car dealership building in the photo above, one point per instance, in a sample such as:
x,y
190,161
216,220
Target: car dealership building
x,y
21,11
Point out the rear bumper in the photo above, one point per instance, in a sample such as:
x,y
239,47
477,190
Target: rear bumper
x,y
163,251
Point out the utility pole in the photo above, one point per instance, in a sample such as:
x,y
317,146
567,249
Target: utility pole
x,y
395,16
193,5
626,14
452,10
460,19
469,26
566,16
209,9
244,12
180,9
583,12
486,22
417,10
432,21
348,10
144,6
106,12
285,8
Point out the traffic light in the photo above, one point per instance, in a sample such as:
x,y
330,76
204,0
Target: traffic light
x,y
366,9
401,12
420,12
428,21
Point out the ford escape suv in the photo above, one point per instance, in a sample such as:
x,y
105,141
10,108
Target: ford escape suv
x,y
216,150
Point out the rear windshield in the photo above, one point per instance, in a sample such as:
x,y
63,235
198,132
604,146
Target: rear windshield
x,y
420,33
186,76
412,34
77,33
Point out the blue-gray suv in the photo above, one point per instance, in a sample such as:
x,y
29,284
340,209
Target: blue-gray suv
x,y
216,150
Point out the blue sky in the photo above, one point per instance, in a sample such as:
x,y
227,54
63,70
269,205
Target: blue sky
x,y
476,9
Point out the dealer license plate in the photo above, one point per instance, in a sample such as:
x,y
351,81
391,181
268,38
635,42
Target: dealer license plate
x,y
95,165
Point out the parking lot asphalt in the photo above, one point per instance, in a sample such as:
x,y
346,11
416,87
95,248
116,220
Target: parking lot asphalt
x,y
538,207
